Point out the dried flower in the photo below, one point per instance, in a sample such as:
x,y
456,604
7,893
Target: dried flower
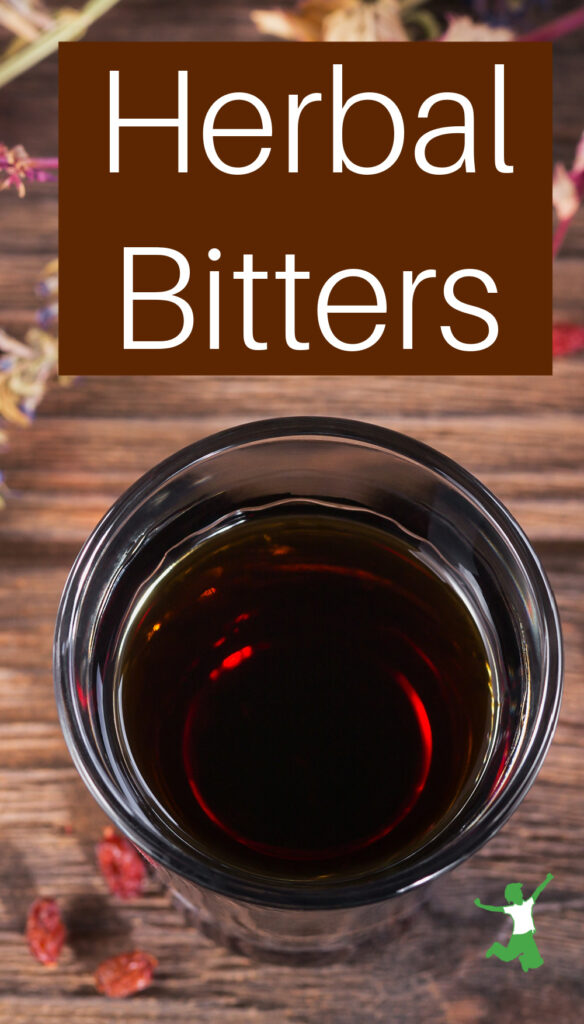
x,y
126,974
17,167
345,20
26,367
45,931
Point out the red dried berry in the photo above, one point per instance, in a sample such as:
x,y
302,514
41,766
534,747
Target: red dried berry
x,y
126,974
121,865
567,338
45,931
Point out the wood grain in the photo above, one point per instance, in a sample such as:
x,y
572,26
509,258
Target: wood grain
x,y
523,437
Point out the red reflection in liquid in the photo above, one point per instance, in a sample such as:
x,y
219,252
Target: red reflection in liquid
x,y
424,727
232,661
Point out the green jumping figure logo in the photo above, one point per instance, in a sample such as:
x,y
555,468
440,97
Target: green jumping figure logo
x,y
522,943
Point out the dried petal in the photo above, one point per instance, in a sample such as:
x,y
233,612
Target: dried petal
x,y
462,29
45,931
565,196
126,974
121,865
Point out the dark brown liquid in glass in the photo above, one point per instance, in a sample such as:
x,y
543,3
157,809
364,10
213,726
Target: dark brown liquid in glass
x,y
303,695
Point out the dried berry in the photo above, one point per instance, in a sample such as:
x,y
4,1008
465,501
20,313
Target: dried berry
x,y
45,931
568,338
121,865
126,974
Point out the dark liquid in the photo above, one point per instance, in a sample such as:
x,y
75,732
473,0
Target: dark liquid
x,y
303,695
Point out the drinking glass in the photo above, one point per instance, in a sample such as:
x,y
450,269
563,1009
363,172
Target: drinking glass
x,y
419,497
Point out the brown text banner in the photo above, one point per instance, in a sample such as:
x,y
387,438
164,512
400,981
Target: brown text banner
x,y
250,208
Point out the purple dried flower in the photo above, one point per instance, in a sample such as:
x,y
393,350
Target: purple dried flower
x,y
17,167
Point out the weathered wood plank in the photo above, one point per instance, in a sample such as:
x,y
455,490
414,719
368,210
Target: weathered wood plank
x,y
358,397
554,442
524,437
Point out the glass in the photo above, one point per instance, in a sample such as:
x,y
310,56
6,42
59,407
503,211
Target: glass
x,y
447,516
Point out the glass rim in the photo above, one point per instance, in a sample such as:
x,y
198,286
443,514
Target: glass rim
x,y
292,893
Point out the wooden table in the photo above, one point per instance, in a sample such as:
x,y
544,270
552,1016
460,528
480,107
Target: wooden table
x,y
523,437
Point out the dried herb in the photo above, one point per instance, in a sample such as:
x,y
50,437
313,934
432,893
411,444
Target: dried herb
x,y
41,32
121,865
45,931
126,974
